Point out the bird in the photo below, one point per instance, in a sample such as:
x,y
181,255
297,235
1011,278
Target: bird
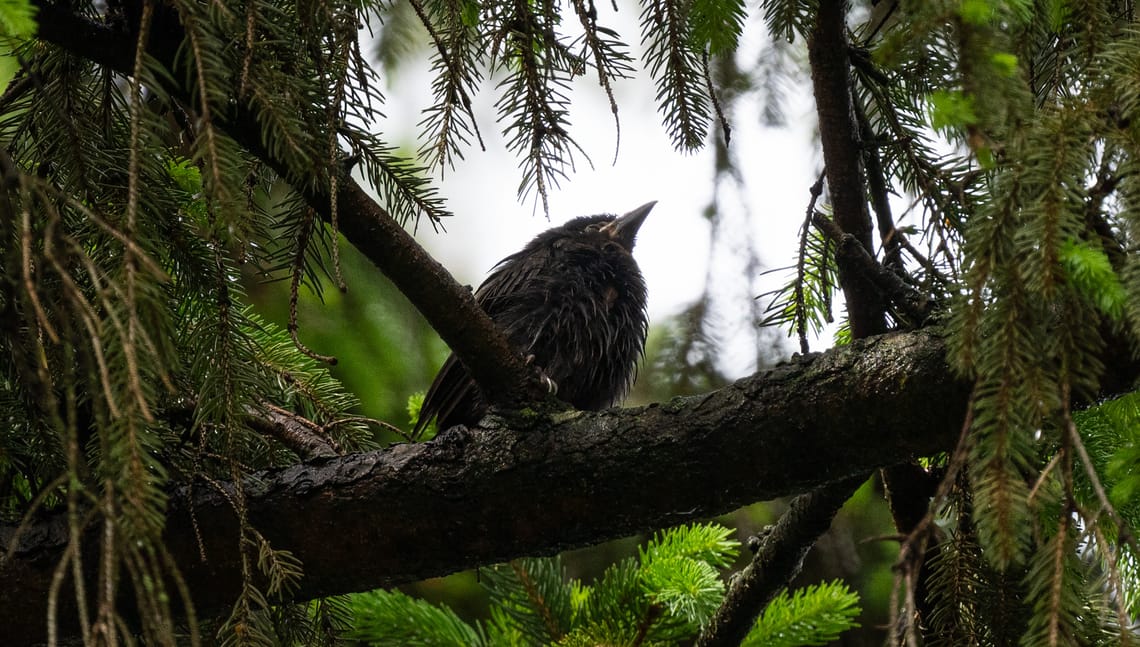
x,y
573,303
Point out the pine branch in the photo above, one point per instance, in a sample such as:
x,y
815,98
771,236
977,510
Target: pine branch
x,y
611,61
676,66
449,307
465,500
450,121
534,104
779,559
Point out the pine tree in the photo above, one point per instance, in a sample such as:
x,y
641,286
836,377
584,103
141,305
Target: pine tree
x,y
158,159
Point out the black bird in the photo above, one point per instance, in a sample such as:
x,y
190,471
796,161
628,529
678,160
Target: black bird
x,y
572,302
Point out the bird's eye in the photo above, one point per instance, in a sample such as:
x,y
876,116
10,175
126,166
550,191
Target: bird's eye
x,y
593,228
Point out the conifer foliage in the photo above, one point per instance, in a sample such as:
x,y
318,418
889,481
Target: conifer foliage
x,y
156,157
663,597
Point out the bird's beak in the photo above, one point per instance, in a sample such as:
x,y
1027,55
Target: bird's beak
x,y
624,229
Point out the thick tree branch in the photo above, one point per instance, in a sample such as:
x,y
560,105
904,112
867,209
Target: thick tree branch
x,y
449,307
868,287
828,55
541,487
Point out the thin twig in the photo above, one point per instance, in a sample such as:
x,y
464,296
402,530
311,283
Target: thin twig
x,y
801,264
53,596
911,550
304,437
1114,576
1125,532
29,282
456,77
725,127
778,560
926,263
332,424
878,189
589,21
130,263
912,305
1049,467
303,238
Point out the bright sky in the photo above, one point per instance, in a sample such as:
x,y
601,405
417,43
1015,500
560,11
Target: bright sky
x,y
673,245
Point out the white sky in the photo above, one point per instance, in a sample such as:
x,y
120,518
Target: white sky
x,y
673,245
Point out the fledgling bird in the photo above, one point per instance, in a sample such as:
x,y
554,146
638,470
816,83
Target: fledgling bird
x,y
573,302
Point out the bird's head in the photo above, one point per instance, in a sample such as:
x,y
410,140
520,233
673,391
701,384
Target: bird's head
x,y
619,229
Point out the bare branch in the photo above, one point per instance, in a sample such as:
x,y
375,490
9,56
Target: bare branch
x,y
303,436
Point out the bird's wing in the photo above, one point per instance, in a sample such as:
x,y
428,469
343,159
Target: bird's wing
x,y
451,387
507,277
453,395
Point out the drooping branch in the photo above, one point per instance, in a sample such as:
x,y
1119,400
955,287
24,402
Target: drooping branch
x,y
449,307
542,486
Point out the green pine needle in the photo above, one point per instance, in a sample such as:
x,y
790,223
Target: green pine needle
x,y
814,615
393,618
1091,274
705,542
717,24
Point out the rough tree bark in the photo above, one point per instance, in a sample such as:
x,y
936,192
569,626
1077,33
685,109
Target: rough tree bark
x,y
842,156
543,486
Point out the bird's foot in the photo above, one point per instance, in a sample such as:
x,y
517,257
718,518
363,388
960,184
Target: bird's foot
x,y
550,384
454,435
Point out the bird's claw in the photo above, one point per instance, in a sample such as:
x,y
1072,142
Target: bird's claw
x,y
551,385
